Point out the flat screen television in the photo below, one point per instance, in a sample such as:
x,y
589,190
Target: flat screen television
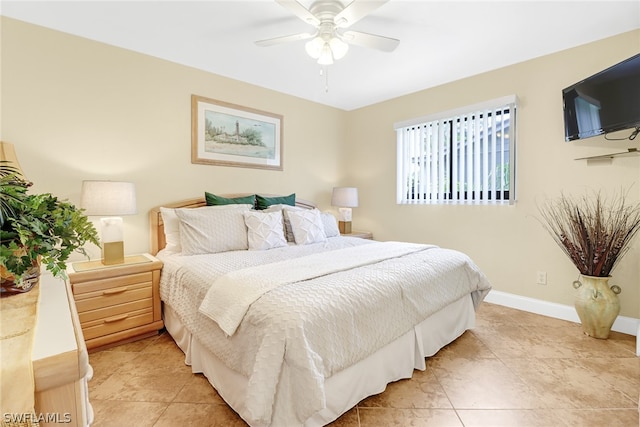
x,y
606,102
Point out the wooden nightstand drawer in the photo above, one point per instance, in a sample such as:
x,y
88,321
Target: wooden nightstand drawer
x,y
113,296
117,323
81,288
103,313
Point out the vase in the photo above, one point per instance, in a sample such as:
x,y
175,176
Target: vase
x,y
10,286
597,305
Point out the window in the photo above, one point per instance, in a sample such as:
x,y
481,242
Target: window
x,y
461,156
588,116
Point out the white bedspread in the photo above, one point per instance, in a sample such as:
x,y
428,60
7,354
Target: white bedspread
x,y
230,296
297,334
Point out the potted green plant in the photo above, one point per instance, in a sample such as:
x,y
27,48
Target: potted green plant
x,y
35,230
595,233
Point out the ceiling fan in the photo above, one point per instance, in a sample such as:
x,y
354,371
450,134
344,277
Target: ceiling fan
x,y
331,41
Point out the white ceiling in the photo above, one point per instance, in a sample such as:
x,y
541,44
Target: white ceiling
x,y
440,41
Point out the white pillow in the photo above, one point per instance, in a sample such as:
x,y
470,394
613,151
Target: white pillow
x,y
264,230
307,226
171,229
287,224
330,224
212,229
171,225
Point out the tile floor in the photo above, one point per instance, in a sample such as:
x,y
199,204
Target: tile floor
x,y
513,369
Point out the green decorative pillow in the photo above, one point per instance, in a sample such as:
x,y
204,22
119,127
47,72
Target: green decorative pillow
x,y
265,202
213,200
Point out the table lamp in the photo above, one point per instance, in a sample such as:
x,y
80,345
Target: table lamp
x,y
9,158
345,198
110,200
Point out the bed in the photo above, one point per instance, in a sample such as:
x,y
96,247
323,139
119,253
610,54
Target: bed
x,y
298,332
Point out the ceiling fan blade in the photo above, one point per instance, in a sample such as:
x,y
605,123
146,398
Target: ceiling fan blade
x,y
355,11
300,11
373,41
284,39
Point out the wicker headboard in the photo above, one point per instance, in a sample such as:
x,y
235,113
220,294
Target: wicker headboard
x,y
156,226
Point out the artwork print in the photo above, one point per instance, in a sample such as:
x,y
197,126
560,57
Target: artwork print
x,y
230,135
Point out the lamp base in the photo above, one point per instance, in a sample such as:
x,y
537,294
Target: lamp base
x,y
113,253
344,227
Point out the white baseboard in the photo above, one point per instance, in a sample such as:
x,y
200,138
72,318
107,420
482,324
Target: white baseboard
x,y
626,325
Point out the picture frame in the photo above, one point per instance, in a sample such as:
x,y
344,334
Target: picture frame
x,y
227,134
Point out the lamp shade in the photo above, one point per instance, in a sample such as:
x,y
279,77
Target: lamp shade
x,y
326,56
314,47
338,47
346,197
108,198
8,155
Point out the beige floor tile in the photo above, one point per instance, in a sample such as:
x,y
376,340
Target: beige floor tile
x,y
135,346
566,384
113,413
510,418
162,344
468,345
513,369
584,346
598,417
483,384
493,314
549,418
348,419
199,414
518,341
387,417
151,363
198,390
625,340
622,374
106,363
161,387
532,320
421,391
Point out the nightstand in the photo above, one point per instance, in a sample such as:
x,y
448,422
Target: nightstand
x,y
117,303
360,234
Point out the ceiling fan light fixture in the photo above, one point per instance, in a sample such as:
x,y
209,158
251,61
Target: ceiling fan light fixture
x,y
330,42
314,47
338,47
326,56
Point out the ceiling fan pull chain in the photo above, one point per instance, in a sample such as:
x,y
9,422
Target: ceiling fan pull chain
x,y
324,73
326,79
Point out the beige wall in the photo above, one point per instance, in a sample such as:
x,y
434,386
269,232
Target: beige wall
x,y
506,241
77,109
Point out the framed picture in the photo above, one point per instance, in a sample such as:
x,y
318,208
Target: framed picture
x,y
230,135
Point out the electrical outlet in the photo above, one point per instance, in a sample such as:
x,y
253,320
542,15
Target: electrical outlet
x,y
541,278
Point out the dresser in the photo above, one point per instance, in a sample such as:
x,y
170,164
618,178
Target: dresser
x,y
117,303
60,360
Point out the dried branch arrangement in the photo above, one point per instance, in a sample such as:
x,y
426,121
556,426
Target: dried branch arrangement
x,y
594,231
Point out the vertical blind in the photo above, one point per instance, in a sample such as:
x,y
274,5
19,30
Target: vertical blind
x,y
460,156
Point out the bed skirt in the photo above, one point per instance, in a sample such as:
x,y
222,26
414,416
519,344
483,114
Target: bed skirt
x,y
345,389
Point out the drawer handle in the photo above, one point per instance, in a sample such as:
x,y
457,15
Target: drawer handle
x,y
115,291
116,318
